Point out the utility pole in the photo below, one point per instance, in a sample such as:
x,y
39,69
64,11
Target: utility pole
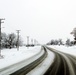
x,y
31,41
35,42
32,44
18,31
0,36
27,41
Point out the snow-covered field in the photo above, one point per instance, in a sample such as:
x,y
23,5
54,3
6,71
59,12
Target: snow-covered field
x,y
12,56
70,50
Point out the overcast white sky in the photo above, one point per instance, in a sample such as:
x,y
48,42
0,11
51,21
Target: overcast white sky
x,y
40,19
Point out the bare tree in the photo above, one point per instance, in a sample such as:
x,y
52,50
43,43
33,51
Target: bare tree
x,y
11,38
74,34
52,42
3,39
56,42
60,42
68,42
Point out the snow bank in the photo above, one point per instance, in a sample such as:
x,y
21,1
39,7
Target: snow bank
x,y
70,50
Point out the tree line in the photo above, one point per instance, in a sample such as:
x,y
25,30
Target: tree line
x,y
68,41
10,40
55,42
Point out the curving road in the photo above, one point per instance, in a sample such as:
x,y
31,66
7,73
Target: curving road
x,y
64,64
29,67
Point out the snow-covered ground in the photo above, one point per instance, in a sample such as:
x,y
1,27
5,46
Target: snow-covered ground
x,y
12,56
66,49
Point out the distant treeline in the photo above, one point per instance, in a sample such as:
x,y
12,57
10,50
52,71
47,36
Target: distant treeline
x,y
60,42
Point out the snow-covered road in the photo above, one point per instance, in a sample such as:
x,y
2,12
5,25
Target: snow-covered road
x,y
42,68
64,64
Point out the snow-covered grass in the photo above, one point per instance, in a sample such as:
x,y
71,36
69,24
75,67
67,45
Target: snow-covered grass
x,y
66,49
12,56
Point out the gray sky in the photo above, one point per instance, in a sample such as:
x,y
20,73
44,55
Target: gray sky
x,y
40,19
